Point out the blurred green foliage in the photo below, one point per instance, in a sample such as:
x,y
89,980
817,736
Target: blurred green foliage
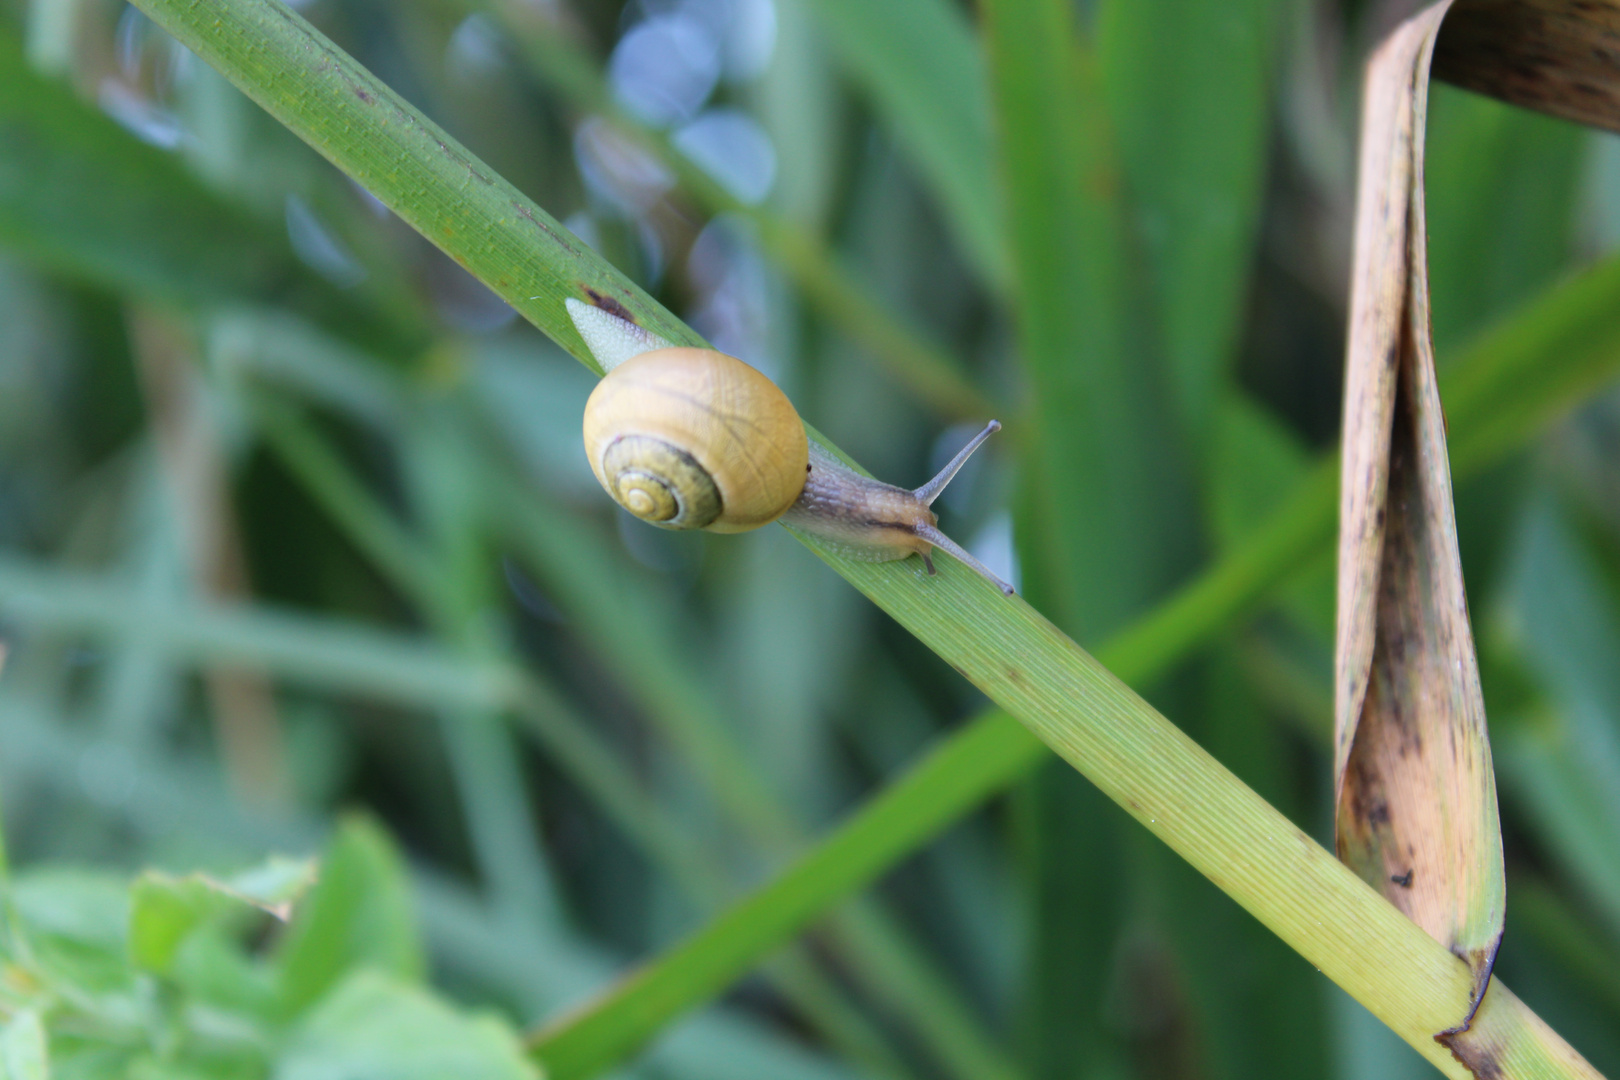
x,y
294,518
162,978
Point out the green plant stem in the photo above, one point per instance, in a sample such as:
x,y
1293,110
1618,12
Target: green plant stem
x,y
1021,661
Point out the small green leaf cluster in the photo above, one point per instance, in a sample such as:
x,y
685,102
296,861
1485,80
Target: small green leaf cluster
x,y
292,970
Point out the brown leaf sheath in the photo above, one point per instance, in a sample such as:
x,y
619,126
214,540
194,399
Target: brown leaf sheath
x,y
1415,793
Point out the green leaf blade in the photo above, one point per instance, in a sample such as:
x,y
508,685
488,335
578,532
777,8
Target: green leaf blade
x,y
1188,90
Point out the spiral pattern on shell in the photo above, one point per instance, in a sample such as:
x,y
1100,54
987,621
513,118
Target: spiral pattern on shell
x,y
660,483
695,439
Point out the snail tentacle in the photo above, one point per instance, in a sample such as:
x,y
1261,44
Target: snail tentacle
x,y
932,534
931,490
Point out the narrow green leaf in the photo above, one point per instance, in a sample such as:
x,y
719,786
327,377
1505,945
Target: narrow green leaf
x,y
1188,90
1100,429
920,65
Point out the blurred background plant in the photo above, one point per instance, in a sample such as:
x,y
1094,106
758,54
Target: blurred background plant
x,y
294,519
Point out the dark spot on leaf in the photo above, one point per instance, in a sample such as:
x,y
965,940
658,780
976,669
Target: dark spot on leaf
x,y
609,305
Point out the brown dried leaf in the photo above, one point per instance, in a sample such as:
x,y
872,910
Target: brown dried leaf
x,y
1555,56
1416,805
1415,793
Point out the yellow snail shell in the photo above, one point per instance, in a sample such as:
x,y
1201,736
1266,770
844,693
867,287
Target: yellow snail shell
x,y
696,439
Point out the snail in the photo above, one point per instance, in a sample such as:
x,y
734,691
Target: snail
x,y
695,439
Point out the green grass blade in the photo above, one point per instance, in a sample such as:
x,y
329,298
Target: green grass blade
x,y
920,66
1105,521
1099,432
1188,90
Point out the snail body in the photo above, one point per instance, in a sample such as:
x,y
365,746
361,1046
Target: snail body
x,y
694,439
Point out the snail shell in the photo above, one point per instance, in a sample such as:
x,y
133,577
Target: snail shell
x,y
695,439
